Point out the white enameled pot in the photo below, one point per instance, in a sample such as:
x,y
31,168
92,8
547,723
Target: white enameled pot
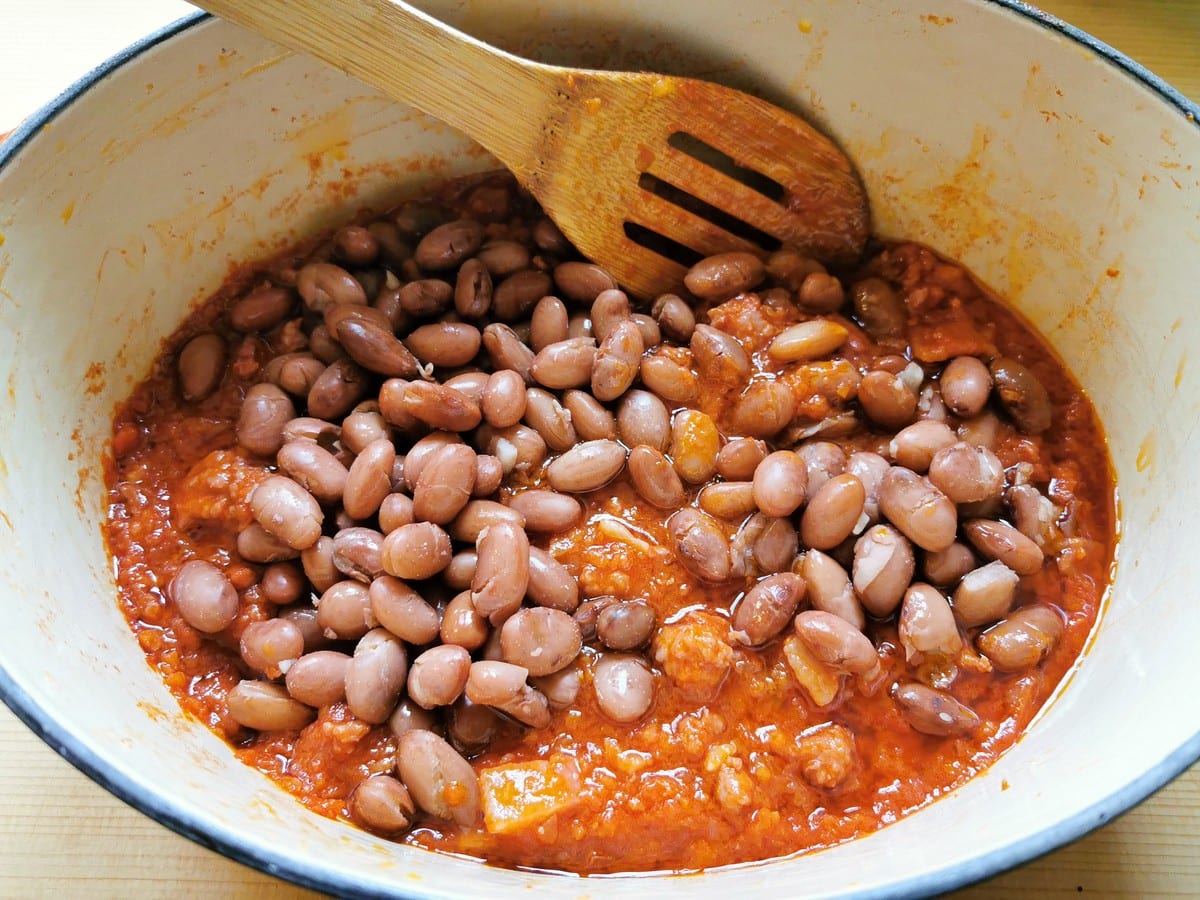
x,y
1064,175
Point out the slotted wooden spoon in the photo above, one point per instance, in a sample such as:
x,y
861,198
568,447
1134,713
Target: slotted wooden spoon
x,y
617,159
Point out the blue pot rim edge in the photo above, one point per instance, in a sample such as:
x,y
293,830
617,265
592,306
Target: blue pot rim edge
x,y
78,754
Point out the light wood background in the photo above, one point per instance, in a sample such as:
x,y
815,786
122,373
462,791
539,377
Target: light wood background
x,y
62,836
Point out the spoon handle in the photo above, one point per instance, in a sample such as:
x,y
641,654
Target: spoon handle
x,y
495,98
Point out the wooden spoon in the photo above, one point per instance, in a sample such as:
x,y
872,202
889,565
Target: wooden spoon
x,y
619,160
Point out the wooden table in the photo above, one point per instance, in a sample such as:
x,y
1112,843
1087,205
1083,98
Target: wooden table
x,y
61,835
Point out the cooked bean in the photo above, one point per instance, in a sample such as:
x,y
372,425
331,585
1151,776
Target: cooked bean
x,y
462,625
836,642
648,328
503,402
502,572
318,678
550,582
268,647
548,325
461,570
402,611
204,596
1022,639
381,804
438,676
307,428
724,275
813,339
934,712
674,317
668,379
358,553
820,292
426,297
591,420
470,726
547,511
582,282
364,425
375,676
489,475
446,344
625,625
436,405
322,284
616,361
445,484
1022,395
201,366
985,594
869,469
317,562
344,611
695,442
257,545
262,309
304,617
775,546
507,351
366,335
643,419
516,295
337,389
541,639
886,399
654,478
1032,514
407,716
767,608
478,515
422,451
822,460
739,458
999,540
296,373
561,688
503,686
881,312
580,325
719,356
966,384
926,625
369,479
323,346
587,615
314,468
417,551
264,706
833,512
915,446
624,686
764,408
883,568
967,474
586,466
981,431
700,544
780,482
265,411
789,267
387,301
446,246
545,415
610,308
502,258
733,500
567,363
472,290
287,511
441,782
829,588
946,567
282,583
924,514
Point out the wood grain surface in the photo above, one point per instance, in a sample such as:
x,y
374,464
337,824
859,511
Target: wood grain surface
x,y
63,836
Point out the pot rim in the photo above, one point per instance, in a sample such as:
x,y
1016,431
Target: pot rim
x,y
165,810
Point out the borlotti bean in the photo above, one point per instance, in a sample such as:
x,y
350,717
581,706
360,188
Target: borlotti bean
x,y
436,482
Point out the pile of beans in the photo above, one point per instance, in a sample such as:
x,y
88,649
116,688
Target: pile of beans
x,y
432,402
